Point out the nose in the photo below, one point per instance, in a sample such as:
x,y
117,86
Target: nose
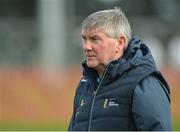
x,y
87,45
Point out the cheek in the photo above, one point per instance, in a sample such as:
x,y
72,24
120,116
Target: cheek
x,y
109,51
112,51
104,55
101,52
109,54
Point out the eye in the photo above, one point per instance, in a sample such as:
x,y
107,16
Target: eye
x,y
84,37
95,39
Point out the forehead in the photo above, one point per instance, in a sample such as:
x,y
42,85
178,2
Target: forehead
x,y
93,32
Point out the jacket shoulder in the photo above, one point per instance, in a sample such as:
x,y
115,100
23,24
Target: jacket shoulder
x,y
151,106
155,84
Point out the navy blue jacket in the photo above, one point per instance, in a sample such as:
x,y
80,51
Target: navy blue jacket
x,y
132,95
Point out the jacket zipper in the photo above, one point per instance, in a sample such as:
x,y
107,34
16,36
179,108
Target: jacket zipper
x,y
94,97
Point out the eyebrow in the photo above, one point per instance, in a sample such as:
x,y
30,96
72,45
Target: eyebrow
x,y
91,37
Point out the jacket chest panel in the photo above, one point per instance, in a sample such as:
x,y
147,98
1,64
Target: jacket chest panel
x,y
110,113
106,109
82,110
110,107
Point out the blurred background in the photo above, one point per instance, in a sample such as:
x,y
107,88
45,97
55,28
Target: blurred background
x,y
41,55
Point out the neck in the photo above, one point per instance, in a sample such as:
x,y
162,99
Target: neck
x,y
100,70
100,74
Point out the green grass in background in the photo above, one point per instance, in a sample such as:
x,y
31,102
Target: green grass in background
x,y
34,126
50,126
176,125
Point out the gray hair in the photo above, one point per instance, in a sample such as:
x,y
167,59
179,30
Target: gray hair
x,y
113,22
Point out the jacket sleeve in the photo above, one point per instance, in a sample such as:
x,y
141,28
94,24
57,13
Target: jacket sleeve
x,y
151,107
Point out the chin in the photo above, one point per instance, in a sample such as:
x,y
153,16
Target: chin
x,y
91,65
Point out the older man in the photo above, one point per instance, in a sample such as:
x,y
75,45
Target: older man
x,y
121,89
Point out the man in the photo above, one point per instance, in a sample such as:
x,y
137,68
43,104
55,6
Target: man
x,y
121,89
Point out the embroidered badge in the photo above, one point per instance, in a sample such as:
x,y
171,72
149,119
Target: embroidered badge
x,y
109,103
82,103
105,103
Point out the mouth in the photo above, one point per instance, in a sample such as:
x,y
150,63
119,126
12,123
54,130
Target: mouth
x,y
90,56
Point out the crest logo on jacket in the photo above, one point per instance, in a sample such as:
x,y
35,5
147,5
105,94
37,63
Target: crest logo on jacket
x,y
109,103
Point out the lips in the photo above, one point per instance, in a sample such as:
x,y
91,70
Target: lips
x,y
90,56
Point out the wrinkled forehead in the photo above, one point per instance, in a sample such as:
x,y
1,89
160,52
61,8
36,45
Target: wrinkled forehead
x,y
92,31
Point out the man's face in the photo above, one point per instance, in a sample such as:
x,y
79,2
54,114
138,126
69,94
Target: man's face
x,y
99,49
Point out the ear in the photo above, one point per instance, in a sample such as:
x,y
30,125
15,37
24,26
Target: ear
x,y
121,43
